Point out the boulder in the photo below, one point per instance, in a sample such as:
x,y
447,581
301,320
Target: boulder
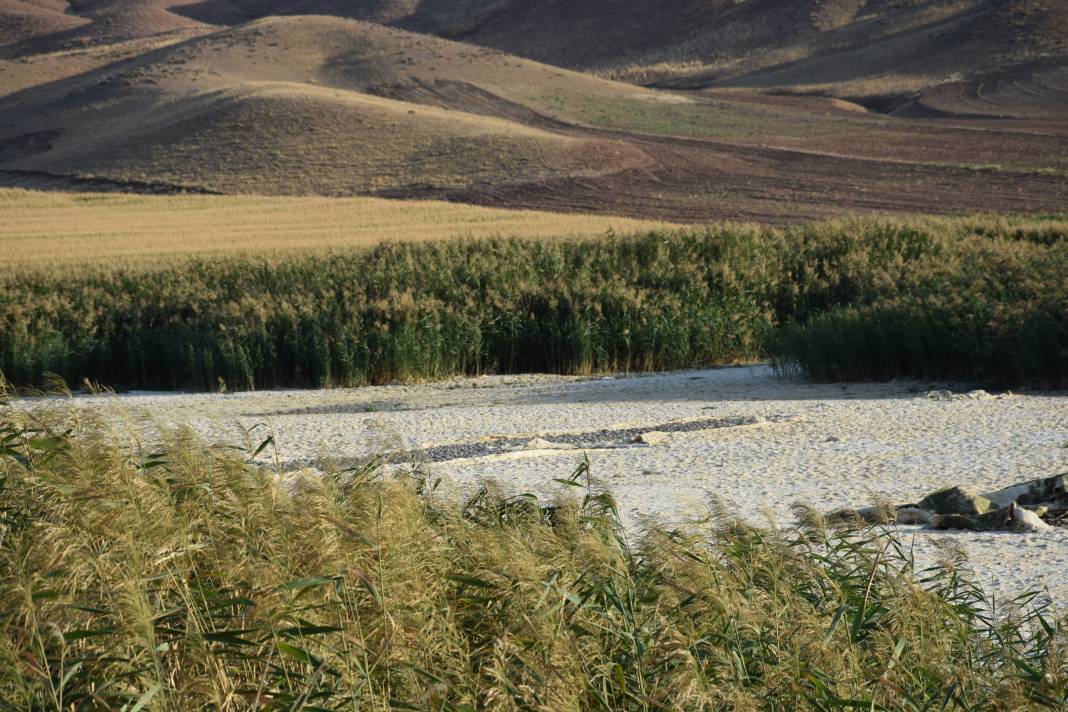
x,y
1024,520
953,521
913,515
1029,506
1046,490
957,500
653,437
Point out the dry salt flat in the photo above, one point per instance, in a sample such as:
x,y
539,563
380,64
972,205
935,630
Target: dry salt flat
x,y
745,436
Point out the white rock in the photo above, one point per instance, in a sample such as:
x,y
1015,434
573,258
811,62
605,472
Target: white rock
x,y
543,444
913,515
1024,520
653,437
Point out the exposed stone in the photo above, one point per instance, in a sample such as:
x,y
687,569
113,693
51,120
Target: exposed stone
x,y
543,444
913,515
653,437
1040,491
956,500
1031,506
1024,520
952,521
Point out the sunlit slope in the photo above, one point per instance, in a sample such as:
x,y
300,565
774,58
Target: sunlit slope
x,y
301,105
42,229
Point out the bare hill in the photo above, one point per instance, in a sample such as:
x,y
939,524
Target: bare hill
x,y
22,20
298,104
886,52
283,106
910,57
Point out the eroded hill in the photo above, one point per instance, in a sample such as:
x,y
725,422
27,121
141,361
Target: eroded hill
x,y
161,95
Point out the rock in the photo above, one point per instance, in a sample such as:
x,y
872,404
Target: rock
x,y
832,439
952,521
653,437
913,515
543,444
1025,507
956,500
1040,491
1024,520
940,395
978,394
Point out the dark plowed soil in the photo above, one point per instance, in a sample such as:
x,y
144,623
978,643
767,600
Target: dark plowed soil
x,y
40,180
701,180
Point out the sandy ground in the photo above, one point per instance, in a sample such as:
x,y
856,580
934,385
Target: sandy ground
x,y
754,440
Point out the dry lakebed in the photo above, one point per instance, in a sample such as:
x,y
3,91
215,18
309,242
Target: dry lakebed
x,y
669,444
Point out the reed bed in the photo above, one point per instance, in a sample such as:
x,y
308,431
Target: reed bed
x,y
163,574
977,299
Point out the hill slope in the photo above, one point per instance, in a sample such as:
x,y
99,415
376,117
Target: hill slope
x,y
288,106
324,105
910,57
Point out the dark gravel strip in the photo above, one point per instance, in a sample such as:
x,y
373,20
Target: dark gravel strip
x,y
595,439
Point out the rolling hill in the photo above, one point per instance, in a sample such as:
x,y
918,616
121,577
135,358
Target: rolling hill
x,y
911,57
299,98
285,106
904,56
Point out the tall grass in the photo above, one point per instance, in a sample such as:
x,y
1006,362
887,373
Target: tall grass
x,y
981,298
182,577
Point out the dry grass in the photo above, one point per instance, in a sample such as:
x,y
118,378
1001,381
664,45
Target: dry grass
x,y
141,574
39,229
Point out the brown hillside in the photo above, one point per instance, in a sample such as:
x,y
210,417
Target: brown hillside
x,y
23,20
280,107
296,104
911,57
870,49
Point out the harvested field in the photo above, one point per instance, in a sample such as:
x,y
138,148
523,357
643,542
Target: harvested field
x,y
39,229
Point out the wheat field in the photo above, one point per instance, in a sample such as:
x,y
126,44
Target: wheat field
x,y
40,229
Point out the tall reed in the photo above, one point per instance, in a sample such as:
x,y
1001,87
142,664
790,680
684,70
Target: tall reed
x,y
181,577
972,298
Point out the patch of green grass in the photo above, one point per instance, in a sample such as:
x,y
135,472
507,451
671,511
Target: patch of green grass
x,y
181,577
645,113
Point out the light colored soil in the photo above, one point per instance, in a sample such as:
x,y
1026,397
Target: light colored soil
x,y
39,228
828,446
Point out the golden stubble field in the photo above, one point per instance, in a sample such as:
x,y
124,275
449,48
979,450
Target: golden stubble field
x,y
43,229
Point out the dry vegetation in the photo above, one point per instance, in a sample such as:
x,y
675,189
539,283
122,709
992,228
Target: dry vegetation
x,y
40,229
163,575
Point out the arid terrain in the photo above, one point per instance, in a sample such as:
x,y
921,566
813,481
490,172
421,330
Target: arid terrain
x,y
833,107
455,355
740,437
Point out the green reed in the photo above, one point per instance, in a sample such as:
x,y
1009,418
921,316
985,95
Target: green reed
x,y
972,298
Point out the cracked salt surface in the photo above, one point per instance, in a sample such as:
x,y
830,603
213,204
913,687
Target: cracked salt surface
x,y
825,445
